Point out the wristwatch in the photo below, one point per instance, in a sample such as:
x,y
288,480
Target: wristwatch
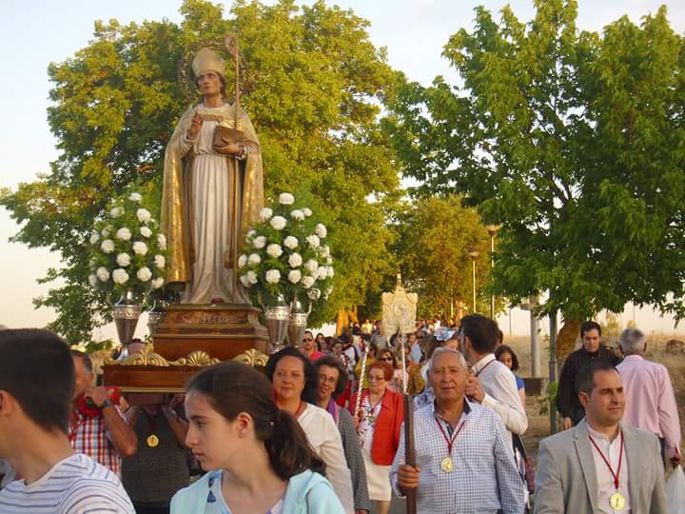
x,y
106,403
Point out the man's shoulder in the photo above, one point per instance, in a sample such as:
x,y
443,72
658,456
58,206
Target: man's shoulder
x,y
95,486
559,442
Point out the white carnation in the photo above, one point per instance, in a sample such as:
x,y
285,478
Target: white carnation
x,y
330,271
135,197
116,212
140,248
94,238
107,246
119,276
321,273
92,280
307,211
244,281
320,230
265,214
102,274
145,231
286,199
308,281
250,234
157,282
313,241
314,293
259,242
242,260
160,261
143,215
290,242
273,276
278,222
311,265
329,260
254,259
294,276
106,231
144,274
161,241
274,250
123,259
251,277
297,214
325,251
124,234
295,260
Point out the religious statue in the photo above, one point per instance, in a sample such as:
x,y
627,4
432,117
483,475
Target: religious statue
x,y
212,191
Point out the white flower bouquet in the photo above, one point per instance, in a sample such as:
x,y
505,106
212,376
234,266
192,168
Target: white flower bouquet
x,y
127,248
286,254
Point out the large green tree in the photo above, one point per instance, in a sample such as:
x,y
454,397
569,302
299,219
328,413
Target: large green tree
x,y
313,84
574,141
435,237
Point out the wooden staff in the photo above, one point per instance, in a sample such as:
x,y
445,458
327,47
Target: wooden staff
x,y
358,403
409,446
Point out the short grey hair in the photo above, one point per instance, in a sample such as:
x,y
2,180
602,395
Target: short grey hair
x,y
443,349
632,341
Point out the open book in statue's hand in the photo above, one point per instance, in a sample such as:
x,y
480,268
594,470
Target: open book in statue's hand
x,y
227,136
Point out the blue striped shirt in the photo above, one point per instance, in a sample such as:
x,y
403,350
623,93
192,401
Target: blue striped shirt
x,y
75,485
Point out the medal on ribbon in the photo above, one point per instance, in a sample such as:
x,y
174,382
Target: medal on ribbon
x,y
616,501
447,464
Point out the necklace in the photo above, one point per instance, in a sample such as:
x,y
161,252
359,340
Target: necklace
x,y
617,501
370,416
152,439
447,464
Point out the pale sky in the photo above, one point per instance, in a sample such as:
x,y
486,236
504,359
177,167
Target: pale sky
x,y
34,33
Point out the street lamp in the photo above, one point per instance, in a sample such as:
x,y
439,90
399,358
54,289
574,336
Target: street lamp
x,y
474,254
492,230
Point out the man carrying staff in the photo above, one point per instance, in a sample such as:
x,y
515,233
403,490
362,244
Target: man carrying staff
x,y
465,461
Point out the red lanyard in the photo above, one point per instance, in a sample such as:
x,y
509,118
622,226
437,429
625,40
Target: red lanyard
x,y
606,461
483,368
448,440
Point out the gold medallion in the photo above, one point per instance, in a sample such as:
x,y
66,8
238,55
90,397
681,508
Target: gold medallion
x,y
447,465
617,501
152,441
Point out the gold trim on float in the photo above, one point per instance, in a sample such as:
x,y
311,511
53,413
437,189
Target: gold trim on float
x,y
252,357
148,357
197,358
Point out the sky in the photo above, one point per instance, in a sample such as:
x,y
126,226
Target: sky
x,y
34,33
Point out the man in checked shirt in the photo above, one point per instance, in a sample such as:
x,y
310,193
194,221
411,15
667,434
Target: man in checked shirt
x,y
464,456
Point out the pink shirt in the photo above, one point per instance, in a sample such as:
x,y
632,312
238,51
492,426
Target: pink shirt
x,y
650,401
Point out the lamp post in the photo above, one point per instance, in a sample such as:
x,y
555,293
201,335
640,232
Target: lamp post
x,y
492,230
474,254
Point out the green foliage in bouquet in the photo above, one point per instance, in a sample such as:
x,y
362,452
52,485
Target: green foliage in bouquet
x,y
128,250
286,253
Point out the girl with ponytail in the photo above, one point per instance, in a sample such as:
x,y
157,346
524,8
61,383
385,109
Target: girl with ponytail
x,y
257,457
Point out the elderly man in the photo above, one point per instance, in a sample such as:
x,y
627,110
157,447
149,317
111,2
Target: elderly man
x,y
650,401
600,466
36,385
465,461
99,430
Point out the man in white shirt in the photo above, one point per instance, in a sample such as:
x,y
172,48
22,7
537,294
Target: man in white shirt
x,y
600,466
492,383
37,381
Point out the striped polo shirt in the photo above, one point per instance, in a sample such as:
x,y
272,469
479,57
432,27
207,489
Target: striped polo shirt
x,y
76,484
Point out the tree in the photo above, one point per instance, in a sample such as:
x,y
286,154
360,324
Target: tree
x,y
574,142
435,236
313,86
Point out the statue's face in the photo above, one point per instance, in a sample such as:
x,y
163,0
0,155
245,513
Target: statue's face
x,y
209,83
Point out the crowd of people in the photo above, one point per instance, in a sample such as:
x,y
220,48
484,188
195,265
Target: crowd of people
x,y
322,429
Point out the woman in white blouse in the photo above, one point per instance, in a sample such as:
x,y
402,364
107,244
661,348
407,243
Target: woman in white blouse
x,y
289,372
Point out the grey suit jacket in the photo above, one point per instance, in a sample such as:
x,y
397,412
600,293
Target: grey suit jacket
x,y
566,480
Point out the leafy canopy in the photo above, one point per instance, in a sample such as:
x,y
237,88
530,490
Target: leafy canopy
x,y
313,84
574,141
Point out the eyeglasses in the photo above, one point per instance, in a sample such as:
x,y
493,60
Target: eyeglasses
x,y
374,378
330,380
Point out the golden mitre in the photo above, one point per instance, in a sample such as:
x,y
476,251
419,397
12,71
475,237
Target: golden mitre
x,y
208,60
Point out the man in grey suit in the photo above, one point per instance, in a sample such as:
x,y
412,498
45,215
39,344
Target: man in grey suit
x,y
600,465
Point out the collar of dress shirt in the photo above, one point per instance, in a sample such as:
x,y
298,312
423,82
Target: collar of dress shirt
x,y
600,435
467,408
483,362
